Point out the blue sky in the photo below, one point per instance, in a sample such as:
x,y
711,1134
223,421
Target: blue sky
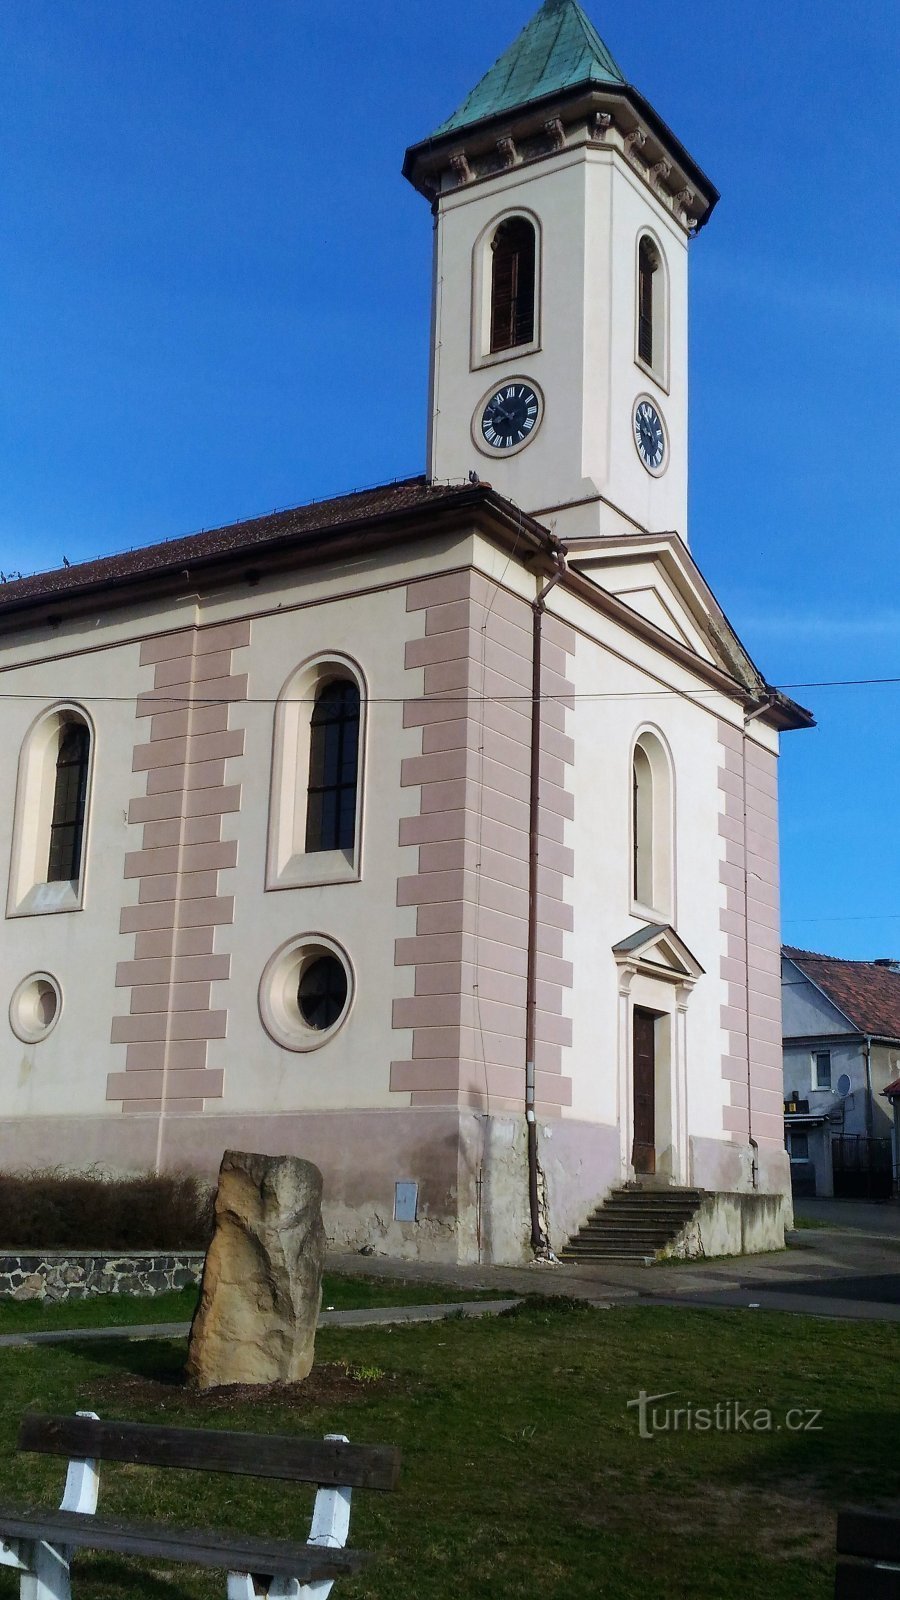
x,y
214,300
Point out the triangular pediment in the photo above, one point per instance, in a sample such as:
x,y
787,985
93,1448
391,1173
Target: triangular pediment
x,y
658,950
655,575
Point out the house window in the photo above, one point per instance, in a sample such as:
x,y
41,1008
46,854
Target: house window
x,y
652,826
318,767
69,802
799,1145
652,295
822,1069
333,768
513,251
53,797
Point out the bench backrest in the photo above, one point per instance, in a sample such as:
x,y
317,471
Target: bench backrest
x,y
321,1461
869,1537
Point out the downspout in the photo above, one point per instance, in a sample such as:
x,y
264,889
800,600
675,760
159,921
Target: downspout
x,y
870,1116
749,717
539,1242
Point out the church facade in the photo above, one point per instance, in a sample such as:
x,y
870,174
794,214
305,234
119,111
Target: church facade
x,y
431,832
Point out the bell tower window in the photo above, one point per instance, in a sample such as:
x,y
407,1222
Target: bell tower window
x,y
648,263
513,250
651,341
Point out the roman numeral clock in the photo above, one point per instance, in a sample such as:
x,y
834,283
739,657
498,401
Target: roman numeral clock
x,y
508,417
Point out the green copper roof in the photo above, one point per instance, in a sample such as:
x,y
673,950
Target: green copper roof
x,y
559,49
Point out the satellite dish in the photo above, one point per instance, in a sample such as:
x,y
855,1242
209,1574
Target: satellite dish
x,y
843,1085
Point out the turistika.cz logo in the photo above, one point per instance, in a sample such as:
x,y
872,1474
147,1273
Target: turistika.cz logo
x,y
726,1416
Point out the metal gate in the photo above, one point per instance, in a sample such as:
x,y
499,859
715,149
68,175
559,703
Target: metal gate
x,y
862,1167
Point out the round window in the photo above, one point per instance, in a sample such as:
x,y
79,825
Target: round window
x,y
35,1007
306,992
322,992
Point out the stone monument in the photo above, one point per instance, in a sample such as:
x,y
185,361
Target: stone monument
x,y
262,1279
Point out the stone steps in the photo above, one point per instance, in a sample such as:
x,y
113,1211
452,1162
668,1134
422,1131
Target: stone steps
x,y
633,1224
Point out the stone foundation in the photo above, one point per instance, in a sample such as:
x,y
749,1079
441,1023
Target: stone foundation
x,y
732,1225
54,1275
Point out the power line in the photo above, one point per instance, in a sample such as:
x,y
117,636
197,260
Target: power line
x,y
464,697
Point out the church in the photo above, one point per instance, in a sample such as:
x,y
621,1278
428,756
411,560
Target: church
x,y
429,832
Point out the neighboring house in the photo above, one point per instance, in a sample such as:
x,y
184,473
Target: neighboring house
x,y
430,832
841,1022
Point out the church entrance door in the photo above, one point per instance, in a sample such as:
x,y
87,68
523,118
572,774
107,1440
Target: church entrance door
x,y
643,1155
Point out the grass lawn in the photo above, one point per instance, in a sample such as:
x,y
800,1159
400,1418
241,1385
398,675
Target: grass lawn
x,y
523,1472
339,1293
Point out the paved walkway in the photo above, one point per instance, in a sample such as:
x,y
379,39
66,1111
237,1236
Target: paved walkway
x,y
850,1272
864,1216
370,1317
825,1272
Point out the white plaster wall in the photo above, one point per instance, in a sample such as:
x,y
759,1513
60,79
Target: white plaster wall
x,y
97,656
66,1072
352,1068
592,207
604,732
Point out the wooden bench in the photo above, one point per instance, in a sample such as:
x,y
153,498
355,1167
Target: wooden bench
x,y
39,1543
868,1552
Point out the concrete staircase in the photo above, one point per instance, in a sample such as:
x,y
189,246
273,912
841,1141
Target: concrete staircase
x,y
633,1224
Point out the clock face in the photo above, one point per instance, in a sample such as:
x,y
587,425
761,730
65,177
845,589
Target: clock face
x,y
649,436
510,417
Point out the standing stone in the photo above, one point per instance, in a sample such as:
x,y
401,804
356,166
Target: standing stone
x,y
262,1280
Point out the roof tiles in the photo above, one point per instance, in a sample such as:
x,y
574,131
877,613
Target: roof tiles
x,y
868,994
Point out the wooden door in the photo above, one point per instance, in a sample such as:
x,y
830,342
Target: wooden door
x,y
643,1154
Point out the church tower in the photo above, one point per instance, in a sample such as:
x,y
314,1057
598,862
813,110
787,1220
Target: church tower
x,y
563,210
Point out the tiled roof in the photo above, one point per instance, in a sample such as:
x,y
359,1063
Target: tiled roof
x,y
868,994
302,523
559,49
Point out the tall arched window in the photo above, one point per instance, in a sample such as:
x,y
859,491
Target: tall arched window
x,y
648,264
69,804
333,768
652,828
513,249
318,767
52,803
642,827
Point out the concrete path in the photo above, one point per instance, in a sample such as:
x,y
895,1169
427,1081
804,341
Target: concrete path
x,y
864,1216
370,1317
832,1273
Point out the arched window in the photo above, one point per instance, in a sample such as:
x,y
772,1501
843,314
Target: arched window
x,y
69,802
652,294
642,827
52,803
333,768
652,827
316,799
648,263
513,253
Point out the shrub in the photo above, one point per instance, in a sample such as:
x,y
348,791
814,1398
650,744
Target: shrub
x,y
84,1211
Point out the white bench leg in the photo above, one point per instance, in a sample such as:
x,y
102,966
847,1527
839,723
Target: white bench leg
x,y
48,1577
329,1527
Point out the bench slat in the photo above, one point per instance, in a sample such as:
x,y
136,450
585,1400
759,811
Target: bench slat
x,y
875,1535
356,1466
856,1582
234,1552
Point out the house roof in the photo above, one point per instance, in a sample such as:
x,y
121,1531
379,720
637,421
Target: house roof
x,y
867,993
558,49
313,527
350,527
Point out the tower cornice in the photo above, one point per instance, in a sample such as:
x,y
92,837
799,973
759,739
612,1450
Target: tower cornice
x,y
613,117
